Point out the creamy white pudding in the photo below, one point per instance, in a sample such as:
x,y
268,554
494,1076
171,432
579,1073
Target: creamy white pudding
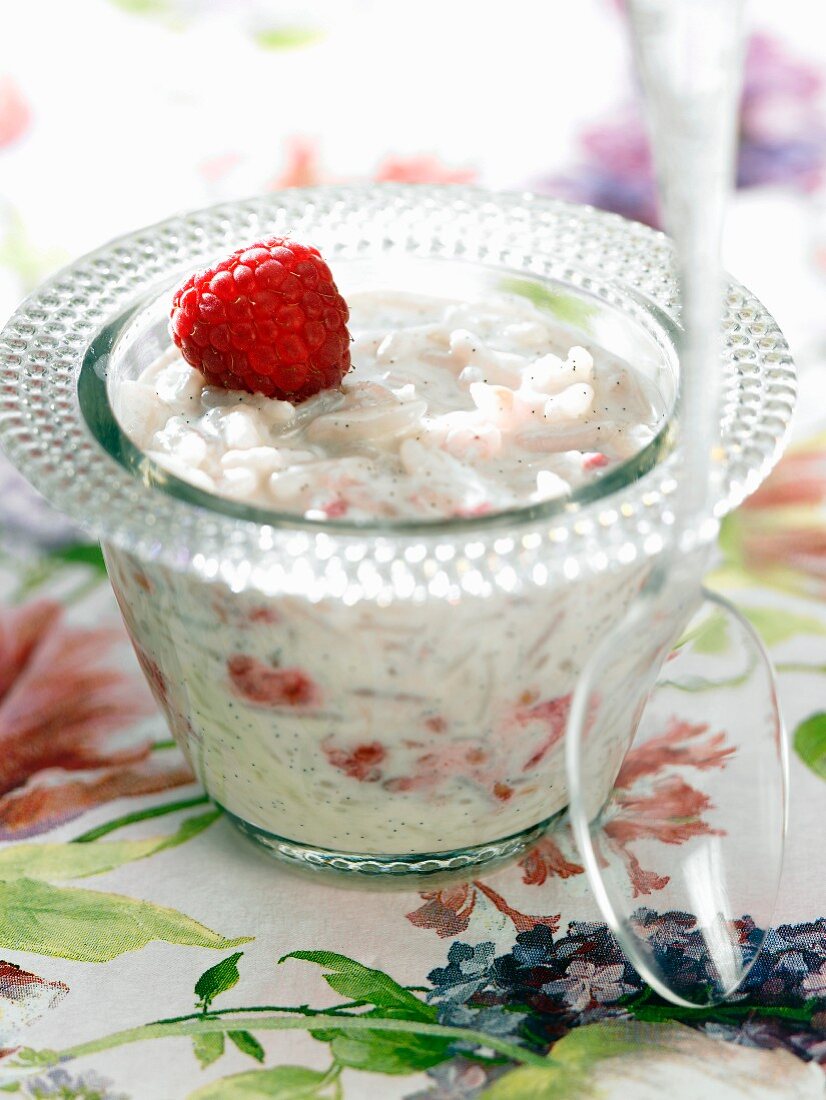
x,y
451,409
429,724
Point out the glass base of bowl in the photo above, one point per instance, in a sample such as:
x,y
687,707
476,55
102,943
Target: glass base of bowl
x,y
380,865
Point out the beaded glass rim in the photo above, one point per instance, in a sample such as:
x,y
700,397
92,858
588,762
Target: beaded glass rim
x,y
45,434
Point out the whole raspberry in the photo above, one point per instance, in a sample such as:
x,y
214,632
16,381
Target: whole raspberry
x,y
269,319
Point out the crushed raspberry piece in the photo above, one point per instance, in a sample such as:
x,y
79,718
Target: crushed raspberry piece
x,y
475,511
553,715
402,783
266,685
155,678
502,791
594,460
360,763
264,615
142,581
337,508
436,724
268,319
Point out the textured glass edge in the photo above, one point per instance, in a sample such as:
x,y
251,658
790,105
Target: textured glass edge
x,y
99,416
43,344
316,859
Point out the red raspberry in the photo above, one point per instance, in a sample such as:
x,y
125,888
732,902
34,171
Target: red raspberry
x,y
269,319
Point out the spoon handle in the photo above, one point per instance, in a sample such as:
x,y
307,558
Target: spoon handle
x,y
689,58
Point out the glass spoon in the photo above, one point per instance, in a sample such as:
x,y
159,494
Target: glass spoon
x,y
711,708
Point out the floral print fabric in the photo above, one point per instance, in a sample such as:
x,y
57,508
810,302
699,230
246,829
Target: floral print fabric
x,y
147,952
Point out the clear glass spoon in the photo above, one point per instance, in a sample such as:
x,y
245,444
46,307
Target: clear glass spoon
x,y
711,707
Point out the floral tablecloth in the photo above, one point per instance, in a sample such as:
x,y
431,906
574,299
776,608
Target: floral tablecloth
x,y
148,951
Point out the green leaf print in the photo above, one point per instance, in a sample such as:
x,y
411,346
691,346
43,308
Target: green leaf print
x,y
247,1044
288,38
568,1075
208,1048
565,307
57,862
28,1058
360,983
708,637
810,743
88,926
218,979
26,259
534,1083
376,1051
142,7
44,567
775,625
280,1083
80,553
390,1052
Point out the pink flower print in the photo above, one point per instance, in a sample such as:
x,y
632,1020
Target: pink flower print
x,y
680,744
454,1080
779,532
361,762
782,139
782,131
271,686
799,552
814,984
798,480
15,115
302,168
64,708
23,998
586,985
448,912
650,802
545,860
672,813
53,796
522,922
614,170
421,169
216,168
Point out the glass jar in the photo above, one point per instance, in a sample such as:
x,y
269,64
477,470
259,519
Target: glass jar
x,y
386,697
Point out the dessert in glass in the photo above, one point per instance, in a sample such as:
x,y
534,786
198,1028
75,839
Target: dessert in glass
x,y
364,613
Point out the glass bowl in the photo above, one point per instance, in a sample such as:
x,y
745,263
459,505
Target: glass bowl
x,y
386,698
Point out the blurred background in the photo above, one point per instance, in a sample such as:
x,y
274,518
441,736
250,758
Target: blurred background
x,y
116,113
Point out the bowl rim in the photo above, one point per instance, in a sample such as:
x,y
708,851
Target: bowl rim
x,y
44,344
96,408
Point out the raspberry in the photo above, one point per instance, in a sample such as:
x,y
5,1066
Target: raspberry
x,y
268,319
268,686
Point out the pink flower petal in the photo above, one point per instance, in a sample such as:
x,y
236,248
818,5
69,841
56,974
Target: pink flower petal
x,y
63,700
15,115
23,998
54,797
